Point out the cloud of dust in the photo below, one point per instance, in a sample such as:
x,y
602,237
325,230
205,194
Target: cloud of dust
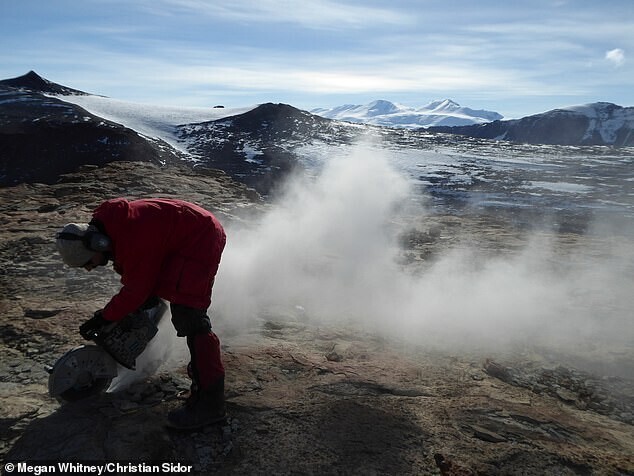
x,y
324,246
328,252
329,248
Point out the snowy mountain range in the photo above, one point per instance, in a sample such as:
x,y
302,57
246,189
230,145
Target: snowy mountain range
x,y
385,113
47,130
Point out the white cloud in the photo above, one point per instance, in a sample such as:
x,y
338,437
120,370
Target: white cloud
x,y
615,56
314,14
184,51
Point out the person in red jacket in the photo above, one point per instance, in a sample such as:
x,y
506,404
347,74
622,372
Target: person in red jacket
x,y
163,248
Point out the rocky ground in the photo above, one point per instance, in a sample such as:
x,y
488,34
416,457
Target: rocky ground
x,y
303,398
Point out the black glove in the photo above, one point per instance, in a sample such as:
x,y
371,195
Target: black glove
x,y
149,303
88,329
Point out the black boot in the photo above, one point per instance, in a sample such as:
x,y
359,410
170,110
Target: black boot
x,y
202,408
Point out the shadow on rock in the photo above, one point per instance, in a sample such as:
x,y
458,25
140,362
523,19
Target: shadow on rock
x,y
370,439
87,431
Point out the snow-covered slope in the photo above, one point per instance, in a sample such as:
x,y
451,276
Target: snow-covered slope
x,y
385,113
149,120
44,137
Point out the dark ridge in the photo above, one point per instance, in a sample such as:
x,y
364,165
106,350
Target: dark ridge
x,y
34,82
556,127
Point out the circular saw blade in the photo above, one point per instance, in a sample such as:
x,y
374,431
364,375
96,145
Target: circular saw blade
x,y
81,372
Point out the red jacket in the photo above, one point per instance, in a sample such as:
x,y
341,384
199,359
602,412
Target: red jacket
x,y
165,248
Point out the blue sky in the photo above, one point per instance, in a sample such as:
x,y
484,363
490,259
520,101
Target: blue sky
x,y
513,57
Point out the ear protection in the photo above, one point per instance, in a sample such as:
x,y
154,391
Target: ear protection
x,y
93,240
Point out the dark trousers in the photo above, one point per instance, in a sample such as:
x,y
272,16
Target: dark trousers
x,y
206,366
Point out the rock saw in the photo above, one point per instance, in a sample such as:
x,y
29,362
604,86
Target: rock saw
x,y
89,369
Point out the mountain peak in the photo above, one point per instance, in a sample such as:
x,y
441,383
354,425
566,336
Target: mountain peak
x,y
381,107
36,83
442,105
30,80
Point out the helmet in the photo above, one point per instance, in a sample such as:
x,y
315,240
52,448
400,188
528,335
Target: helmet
x,y
73,243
